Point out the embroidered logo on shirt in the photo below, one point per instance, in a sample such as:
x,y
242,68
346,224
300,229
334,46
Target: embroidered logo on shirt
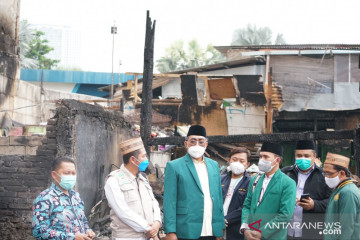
x,y
258,223
336,197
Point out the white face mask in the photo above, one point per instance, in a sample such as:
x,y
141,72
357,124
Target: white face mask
x,y
237,168
196,151
265,166
332,182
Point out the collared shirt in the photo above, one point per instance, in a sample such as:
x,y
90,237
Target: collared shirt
x,y
57,215
203,175
230,192
264,186
295,230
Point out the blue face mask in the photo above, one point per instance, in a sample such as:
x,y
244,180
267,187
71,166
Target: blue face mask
x,y
143,165
67,181
303,163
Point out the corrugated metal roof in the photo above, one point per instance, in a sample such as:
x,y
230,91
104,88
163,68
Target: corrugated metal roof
x,y
224,49
224,65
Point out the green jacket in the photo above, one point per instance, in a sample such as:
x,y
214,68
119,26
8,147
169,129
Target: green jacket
x,y
342,220
184,199
276,208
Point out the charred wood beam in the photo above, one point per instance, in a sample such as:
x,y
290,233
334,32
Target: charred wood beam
x,y
275,137
146,103
357,151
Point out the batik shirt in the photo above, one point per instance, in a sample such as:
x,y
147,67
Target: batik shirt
x,y
57,215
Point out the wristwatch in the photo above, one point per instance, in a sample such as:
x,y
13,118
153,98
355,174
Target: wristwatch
x,y
242,230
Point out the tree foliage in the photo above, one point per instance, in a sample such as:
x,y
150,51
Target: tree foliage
x,y
38,49
177,58
26,36
252,35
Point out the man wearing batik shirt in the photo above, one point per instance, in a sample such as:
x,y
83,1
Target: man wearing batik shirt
x,y
58,212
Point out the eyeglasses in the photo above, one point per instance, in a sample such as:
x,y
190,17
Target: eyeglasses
x,y
328,174
194,141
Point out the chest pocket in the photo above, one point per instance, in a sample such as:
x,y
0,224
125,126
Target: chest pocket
x,y
130,193
150,191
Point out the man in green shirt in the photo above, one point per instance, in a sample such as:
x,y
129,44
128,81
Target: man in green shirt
x,y
342,220
270,201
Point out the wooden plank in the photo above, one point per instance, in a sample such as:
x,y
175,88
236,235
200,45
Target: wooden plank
x,y
222,88
215,122
206,81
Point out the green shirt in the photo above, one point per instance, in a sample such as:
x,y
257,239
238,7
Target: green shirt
x,y
342,219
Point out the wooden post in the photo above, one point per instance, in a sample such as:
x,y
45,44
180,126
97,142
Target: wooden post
x,y
269,97
135,89
357,150
146,103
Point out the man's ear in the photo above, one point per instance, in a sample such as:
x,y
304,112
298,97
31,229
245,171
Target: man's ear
x,y
54,175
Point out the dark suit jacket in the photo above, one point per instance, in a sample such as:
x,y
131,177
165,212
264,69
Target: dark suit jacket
x,y
315,185
235,208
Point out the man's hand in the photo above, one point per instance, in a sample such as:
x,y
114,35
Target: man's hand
x,y
256,234
219,238
90,234
80,236
226,223
248,235
252,235
171,236
152,232
307,204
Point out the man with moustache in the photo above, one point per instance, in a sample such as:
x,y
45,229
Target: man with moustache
x,y
193,206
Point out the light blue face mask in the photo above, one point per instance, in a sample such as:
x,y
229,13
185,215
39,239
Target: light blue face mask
x,y
67,181
143,165
303,163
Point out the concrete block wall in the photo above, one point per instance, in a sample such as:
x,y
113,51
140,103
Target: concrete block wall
x,y
20,145
85,132
25,164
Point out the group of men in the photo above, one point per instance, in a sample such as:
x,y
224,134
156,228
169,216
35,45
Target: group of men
x,y
302,201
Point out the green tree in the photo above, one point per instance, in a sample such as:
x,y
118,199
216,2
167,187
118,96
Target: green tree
x,y
252,35
26,36
38,49
177,58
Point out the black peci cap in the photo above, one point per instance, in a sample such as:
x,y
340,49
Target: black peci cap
x,y
272,147
197,130
305,145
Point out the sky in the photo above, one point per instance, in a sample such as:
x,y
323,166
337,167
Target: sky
x,y
207,21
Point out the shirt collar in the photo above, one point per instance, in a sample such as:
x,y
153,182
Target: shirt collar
x,y
58,191
128,173
308,173
198,162
270,177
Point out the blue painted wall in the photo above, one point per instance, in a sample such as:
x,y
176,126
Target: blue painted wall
x,y
34,75
86,82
